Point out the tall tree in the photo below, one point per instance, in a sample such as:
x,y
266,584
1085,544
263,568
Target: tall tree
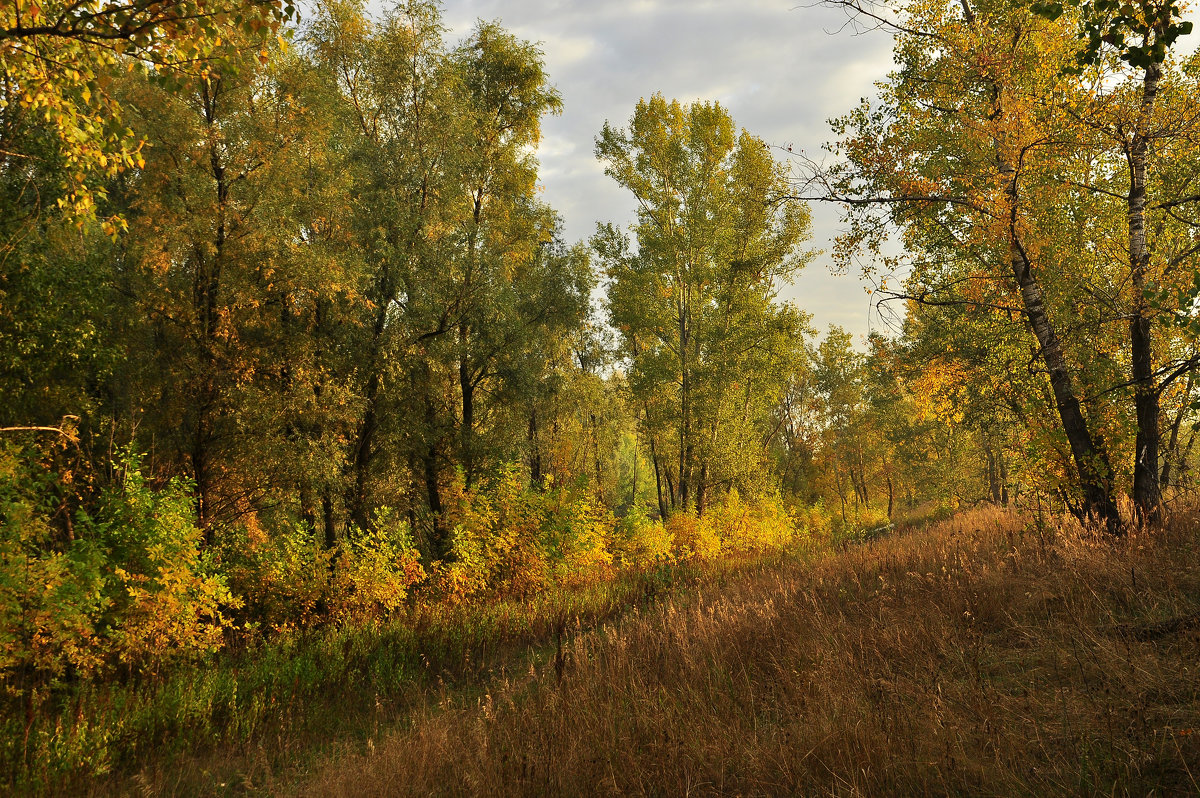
x,y
214,266
708,345
1132,118
465,265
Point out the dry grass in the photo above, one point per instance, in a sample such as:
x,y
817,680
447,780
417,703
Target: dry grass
x,y
982,656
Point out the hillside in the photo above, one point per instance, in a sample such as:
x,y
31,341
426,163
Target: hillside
x,y
984,655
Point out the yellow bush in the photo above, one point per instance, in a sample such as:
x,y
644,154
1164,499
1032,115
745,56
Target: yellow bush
x,y
374,571
495,535
640,542
745,527
729,521
574,538
166,600
776,528
125,584
510,539
811,520
282,577
690,538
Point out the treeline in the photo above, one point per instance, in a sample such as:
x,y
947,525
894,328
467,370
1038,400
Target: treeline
x,y
336,285
1038,163
315,342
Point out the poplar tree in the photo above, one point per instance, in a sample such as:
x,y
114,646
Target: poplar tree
x,y
707,344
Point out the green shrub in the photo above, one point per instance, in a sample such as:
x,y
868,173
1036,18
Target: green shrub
x,y
124,584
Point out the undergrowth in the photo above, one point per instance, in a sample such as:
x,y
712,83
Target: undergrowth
x,y
218,724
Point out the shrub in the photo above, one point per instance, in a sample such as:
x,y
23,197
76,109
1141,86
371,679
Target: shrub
x,y
165,599
812,519
375,570
690,538
510,539
639,541
574,536
282,577
744,527
494,532
860,526
52,588
288,579
124,584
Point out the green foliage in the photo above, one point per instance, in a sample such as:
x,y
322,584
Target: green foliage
x,y
374,392
125,584
511,539
859,526
165,601
58,60
640,542
52,591
282,577
1141,32
694,303
375,571
289,580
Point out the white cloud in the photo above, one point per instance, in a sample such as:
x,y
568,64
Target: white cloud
x,y
779,68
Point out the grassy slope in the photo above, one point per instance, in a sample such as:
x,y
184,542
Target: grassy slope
x,y
250,722
982,656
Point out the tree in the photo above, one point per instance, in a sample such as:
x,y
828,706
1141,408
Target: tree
x,y
395,89
709,348
465,268
58,59
983,139
217,265
515,281
1141,35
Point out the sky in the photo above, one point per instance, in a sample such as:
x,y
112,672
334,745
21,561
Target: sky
x,y
781,70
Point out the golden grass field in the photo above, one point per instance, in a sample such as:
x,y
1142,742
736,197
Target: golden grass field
x,y
986,655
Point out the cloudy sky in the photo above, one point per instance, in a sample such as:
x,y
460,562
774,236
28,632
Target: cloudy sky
x,y
780,68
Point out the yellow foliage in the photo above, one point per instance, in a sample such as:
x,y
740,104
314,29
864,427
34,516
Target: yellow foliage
x,y
375,572
690,538
640,542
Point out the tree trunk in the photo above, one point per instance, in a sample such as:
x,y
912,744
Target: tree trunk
x,y
535,452
837,481
596,463
202,471
662,503
1147,494
1003,480
206,302
685,408
364,444
862,480
671,489
466,386
439,539
1173,441
1090,457
328,518
439,542
993,476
